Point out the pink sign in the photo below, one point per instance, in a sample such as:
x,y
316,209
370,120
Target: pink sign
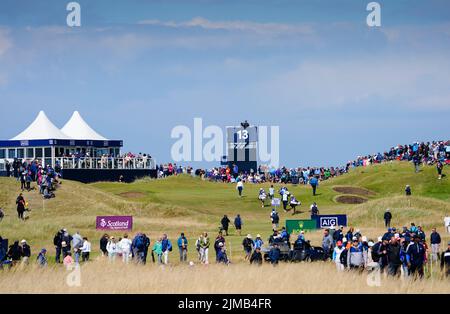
x,y
114,222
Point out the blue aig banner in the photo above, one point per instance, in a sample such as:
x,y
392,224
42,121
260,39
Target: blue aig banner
x,y
327,221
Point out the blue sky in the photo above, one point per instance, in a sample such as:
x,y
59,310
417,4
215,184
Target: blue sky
x,y
135,69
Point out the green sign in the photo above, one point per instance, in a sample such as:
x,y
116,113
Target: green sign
x,y
297,225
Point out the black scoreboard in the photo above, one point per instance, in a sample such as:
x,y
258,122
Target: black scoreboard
x,y
242,142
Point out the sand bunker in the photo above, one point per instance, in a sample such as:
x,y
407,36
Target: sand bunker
x,y
350,199
353,190
132,194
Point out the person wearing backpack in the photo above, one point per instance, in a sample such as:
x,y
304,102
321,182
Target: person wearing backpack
x,y
217,247
204,248
314,210
157,249
138,247
275,219
248,245
225,222
256,258
166,247
20,201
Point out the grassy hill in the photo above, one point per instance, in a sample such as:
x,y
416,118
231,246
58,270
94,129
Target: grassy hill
x,y
190,205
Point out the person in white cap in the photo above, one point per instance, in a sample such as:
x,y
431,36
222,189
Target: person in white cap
x,y
337,251
26,252
125,247
248,245
111,247
258,241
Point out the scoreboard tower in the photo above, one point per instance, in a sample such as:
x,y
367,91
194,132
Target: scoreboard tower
x,y
242,144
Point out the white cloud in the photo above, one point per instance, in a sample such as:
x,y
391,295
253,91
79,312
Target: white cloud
x,y
420,82
240,26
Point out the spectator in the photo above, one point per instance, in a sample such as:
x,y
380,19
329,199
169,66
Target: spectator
x,y
387,218
435,240
41,258
166,247
26,252
445,261
271,192
182,247
157,249
222,257
356,256
20,201
314,210
240,187
336,257
415,256
408,190
274,254
275,219
294,203
439,167
258,241
248,245
314,182
327,243
57,242
85,250
204,247
112,249
256,257
262,197
68,260
103,243
238,224
225,222
393,257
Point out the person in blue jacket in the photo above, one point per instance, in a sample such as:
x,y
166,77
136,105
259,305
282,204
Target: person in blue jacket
x,y
314,182
274,254
166,248
238,224
182,246
415,257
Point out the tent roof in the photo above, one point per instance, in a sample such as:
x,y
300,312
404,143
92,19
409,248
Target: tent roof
x,y
78,129
40,129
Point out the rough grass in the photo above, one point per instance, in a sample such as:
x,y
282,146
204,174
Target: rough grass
x,y
101,277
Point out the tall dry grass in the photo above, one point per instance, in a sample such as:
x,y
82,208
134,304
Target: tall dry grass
x,y
102,277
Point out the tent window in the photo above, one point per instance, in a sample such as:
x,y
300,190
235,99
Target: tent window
x,y
38,152
30,153
11,153
48,152
2,153
20,153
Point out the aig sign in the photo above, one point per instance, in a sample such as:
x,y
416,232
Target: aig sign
x,y
328,221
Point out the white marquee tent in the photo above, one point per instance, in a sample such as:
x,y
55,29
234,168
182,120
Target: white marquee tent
x,y
78,129
41,128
